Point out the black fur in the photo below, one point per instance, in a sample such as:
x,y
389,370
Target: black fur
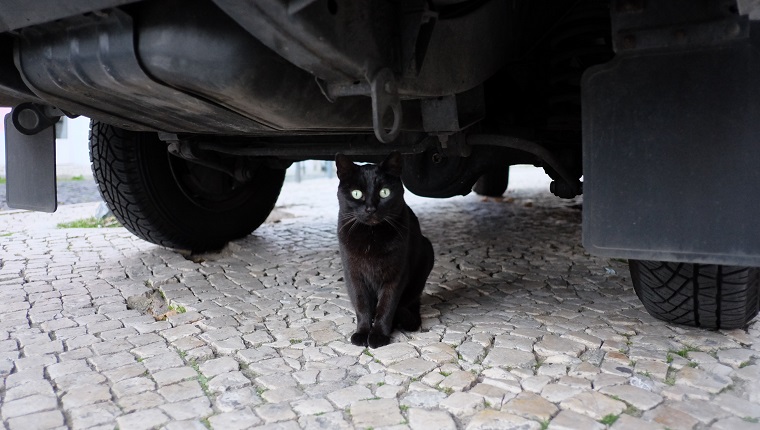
x,y
386,259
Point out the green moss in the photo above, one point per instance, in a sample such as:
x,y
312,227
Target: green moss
x,y
609,419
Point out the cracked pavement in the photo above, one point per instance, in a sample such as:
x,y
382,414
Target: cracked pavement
x,y
521,330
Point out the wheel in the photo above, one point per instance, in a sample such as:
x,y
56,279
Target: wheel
x,y
493,183
699,295
171,202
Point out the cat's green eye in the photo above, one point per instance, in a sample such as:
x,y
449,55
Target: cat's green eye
x,y
385,192
356,194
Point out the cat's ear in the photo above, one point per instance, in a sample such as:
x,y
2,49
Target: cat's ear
x,y
344,166
392,164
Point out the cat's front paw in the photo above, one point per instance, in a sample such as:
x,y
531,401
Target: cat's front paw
x,y
359,339
376,340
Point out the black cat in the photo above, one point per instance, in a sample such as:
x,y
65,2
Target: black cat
x,y
386,259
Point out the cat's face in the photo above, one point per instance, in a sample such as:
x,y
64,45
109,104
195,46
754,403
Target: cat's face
x,y
370,194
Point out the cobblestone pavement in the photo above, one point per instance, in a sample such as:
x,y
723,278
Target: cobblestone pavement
x,y
522,329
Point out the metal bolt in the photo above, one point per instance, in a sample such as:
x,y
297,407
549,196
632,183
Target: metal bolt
x,y
437,158
29,119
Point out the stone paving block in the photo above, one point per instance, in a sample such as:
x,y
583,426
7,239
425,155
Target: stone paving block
x,y
346,396
37,421
636,397
286,394
227,381
490,419
312,406
36,386
93,415
421,419
125,372
328,421
128,387
412,367
237,398
235,420
394,352
28,405
531,406
185,425
181,391
556,393
109,362
198,407
462,404
38,361
702,380
505,357
376,413
150,350
218,366
458,381
703,410
569,420
147,419
593,404
627,422
671,418
734,423
173,375
86,395
275,412
140,401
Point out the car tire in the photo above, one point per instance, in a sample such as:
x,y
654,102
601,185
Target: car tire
x,y
492,184
699,295
171,202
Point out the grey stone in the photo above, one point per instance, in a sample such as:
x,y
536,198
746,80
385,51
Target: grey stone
x,y
235,420
423,399
569,420
181,391
636,397
394,352
593,404
505,357
412,367
421,419
37,421
312,406
328,421
28,405
346,396
228,381
198,407
462,404
531,406
237,399
275,412
490,419
376,413
147,419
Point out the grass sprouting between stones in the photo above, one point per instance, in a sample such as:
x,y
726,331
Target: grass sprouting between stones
x,y
609,419
91,222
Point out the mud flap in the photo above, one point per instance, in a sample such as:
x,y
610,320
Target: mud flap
x,y
30,169
671,155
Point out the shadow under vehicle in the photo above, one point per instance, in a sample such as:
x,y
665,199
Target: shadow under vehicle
x,y
199,106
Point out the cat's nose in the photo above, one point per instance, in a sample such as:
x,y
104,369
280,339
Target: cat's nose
x,y
370,209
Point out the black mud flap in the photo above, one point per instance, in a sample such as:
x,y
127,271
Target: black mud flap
x,y
671,155
30,168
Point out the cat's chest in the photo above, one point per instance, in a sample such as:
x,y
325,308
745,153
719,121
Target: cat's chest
x,y
372,244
